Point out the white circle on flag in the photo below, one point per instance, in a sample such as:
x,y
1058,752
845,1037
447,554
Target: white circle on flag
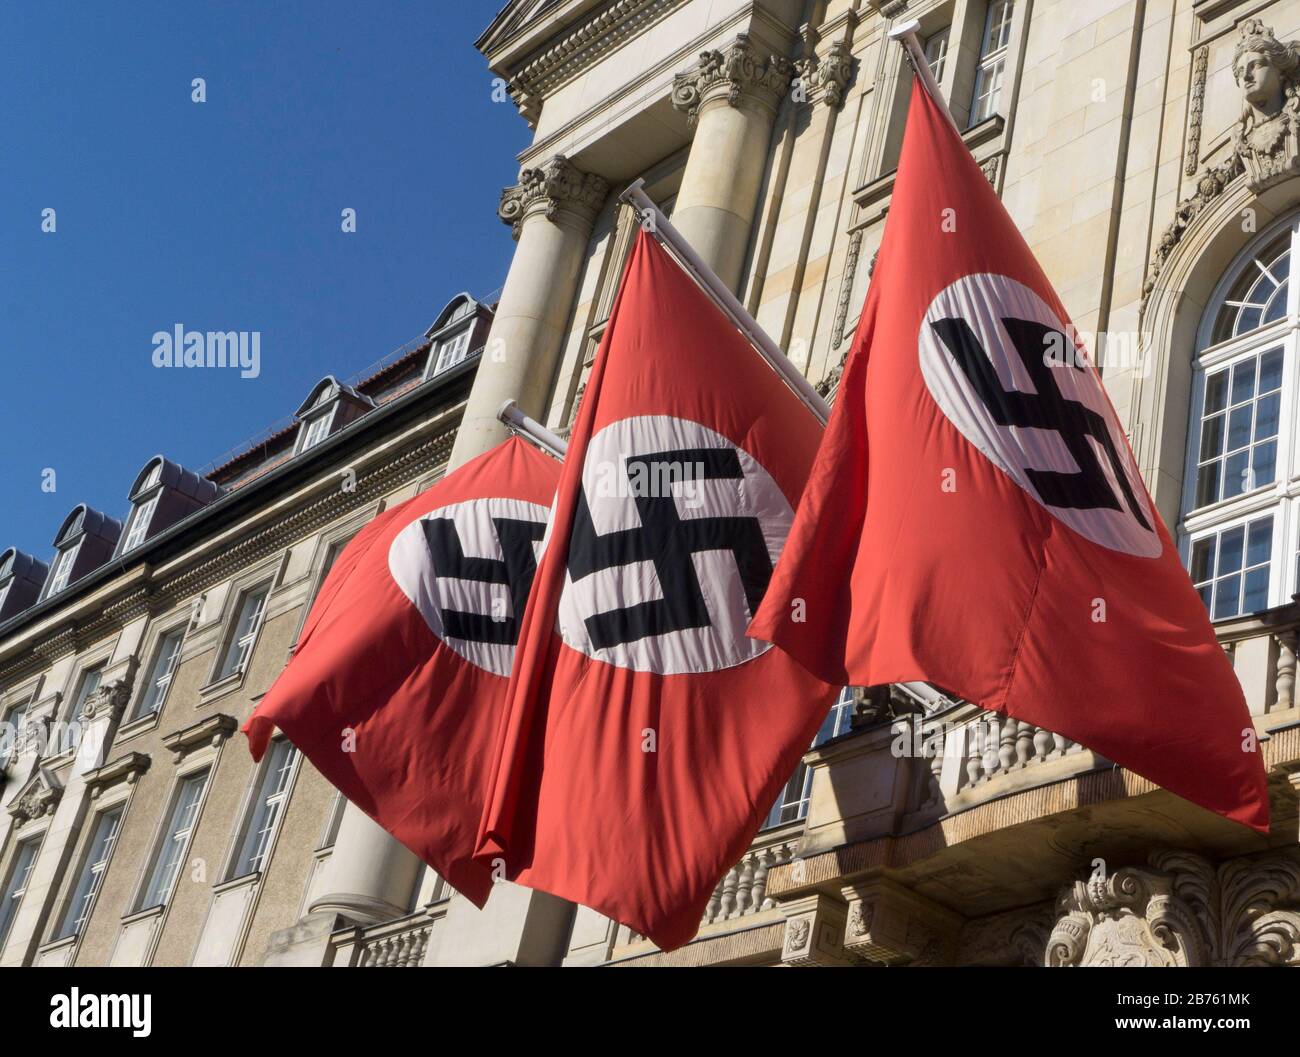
x,y
469,587
1005,370
675,536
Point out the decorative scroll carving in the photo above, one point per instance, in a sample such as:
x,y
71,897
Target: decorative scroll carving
x,y
734,74
1196,109
558,185
842,306
827,78
1183,912
109,699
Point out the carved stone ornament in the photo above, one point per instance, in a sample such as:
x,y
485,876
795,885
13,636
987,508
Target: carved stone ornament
x,y
1184,911
735,74
39,797
555,186
1265,140
827,78
1265,137
109,699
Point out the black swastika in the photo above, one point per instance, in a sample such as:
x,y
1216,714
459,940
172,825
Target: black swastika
x,y
668,541
1086,489
515,568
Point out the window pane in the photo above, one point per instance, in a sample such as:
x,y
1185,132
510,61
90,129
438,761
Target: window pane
x,y
1234,474
1203,560
1239,427
1212,437
176,836
1270,371
16,885
267,806
1227,597
1207,484
1230,547
1261,541
1216,392
1256,594
92,873
1243,381
1267,412
1264,464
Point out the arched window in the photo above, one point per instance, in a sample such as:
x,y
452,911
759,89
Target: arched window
x,y
1241,495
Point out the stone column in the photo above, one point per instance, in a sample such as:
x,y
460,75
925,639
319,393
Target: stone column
x,y
552,210
730,98
369,876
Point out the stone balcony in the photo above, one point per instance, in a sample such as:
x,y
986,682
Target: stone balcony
x,y
405,942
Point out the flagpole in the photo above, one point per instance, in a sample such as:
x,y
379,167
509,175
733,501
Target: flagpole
x,y
666,235
905,34
532,430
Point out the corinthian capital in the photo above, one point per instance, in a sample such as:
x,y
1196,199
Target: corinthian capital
x,y
735,75
559,190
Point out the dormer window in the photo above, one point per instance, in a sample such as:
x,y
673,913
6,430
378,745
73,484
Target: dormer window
x,y
330,406
21,580
145,498
459,330
62,569
451,351
162,495
86,540
315,430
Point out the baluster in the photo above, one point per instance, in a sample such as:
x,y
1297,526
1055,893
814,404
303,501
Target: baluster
x,y
712,911
1286,666
728,894
1042,743
1007,744
1024,743
765,860
1061,744
744,887
974,753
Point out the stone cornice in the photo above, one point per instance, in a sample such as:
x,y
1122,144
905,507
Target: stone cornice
x,y
211,731
556,189
582,48
735,76
125,768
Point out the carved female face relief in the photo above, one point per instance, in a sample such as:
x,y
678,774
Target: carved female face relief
x,y
1260,82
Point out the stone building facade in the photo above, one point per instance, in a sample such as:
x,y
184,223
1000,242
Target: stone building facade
x,y
1150,152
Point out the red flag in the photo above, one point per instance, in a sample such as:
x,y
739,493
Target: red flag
x,y
409,647
665,733
976,518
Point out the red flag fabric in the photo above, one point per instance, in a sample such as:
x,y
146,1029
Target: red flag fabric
x,y
395,689
643,746
976,518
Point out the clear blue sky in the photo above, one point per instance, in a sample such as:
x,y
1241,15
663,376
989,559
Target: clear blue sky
x,y
224,215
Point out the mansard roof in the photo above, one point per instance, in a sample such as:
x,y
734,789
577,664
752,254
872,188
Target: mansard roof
x,y
176,477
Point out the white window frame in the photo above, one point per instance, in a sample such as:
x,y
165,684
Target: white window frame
x,y
1281,497
239,645
174,832
452,350
315,428
15,887
935,48
265,806
992,61
64,560
141,515
90,873
153,678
